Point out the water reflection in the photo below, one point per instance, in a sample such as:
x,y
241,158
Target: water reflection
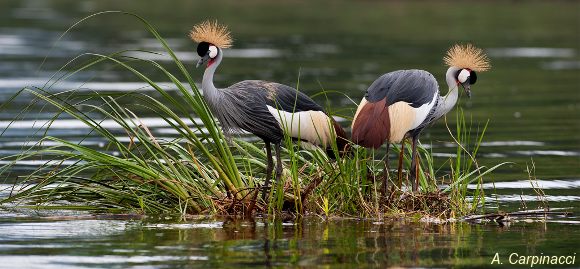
x,y
561,65
26,43
512,143
173,226
528,198
83,86
527,184
38,163
76,124
532,52
190,56
216,242
59,229
547,152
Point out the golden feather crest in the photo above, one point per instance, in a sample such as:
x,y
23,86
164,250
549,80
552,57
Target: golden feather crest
x,y
211,32
467,56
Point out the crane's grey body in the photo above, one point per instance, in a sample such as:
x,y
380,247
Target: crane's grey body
x,y
418,90
268,110
237,110
414,87
247,105
401,104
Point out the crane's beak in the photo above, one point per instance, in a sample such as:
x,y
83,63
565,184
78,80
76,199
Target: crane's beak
x,y
467,87
203,60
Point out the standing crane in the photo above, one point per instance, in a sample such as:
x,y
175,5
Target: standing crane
x,y
266,109
403,103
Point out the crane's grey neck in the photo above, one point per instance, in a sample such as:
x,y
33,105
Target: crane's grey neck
x,y
447,102
210,92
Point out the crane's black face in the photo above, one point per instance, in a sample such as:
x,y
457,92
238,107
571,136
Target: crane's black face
x,y
466,78
472,77
202,49
208,52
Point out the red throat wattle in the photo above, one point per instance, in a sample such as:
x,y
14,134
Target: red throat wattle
x,y
210,62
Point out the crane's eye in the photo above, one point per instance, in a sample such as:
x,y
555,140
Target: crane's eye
x,y
463,76
213,51
472,77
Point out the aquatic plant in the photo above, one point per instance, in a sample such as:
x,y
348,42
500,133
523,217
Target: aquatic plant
x,y
202,171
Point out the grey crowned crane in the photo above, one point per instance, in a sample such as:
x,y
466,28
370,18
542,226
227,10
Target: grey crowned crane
x,y
402,103
266,109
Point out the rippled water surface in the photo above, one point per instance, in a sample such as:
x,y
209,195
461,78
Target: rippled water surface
x,y
531,98
225,243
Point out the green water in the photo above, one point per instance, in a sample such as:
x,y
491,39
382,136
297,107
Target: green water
x,y
229,243
531,98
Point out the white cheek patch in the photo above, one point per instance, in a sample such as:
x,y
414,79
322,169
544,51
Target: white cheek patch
x,y
213,51
463,75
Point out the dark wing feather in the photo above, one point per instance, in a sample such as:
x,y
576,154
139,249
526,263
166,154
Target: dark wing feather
x,y
278,95
257,95
416,87
244,108
249,110
289,99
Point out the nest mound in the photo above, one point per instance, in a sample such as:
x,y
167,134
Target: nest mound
x,y
435,204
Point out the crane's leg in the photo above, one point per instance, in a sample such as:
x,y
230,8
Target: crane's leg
x,y
278,163
386,171
414,178
269,169
400,168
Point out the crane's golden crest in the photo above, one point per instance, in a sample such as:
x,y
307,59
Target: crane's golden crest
x,y
211,32
467,56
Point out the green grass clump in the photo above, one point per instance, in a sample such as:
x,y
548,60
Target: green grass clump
x,y
203,172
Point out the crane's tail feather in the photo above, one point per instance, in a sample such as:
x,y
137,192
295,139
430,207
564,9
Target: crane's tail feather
x,y
371,125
